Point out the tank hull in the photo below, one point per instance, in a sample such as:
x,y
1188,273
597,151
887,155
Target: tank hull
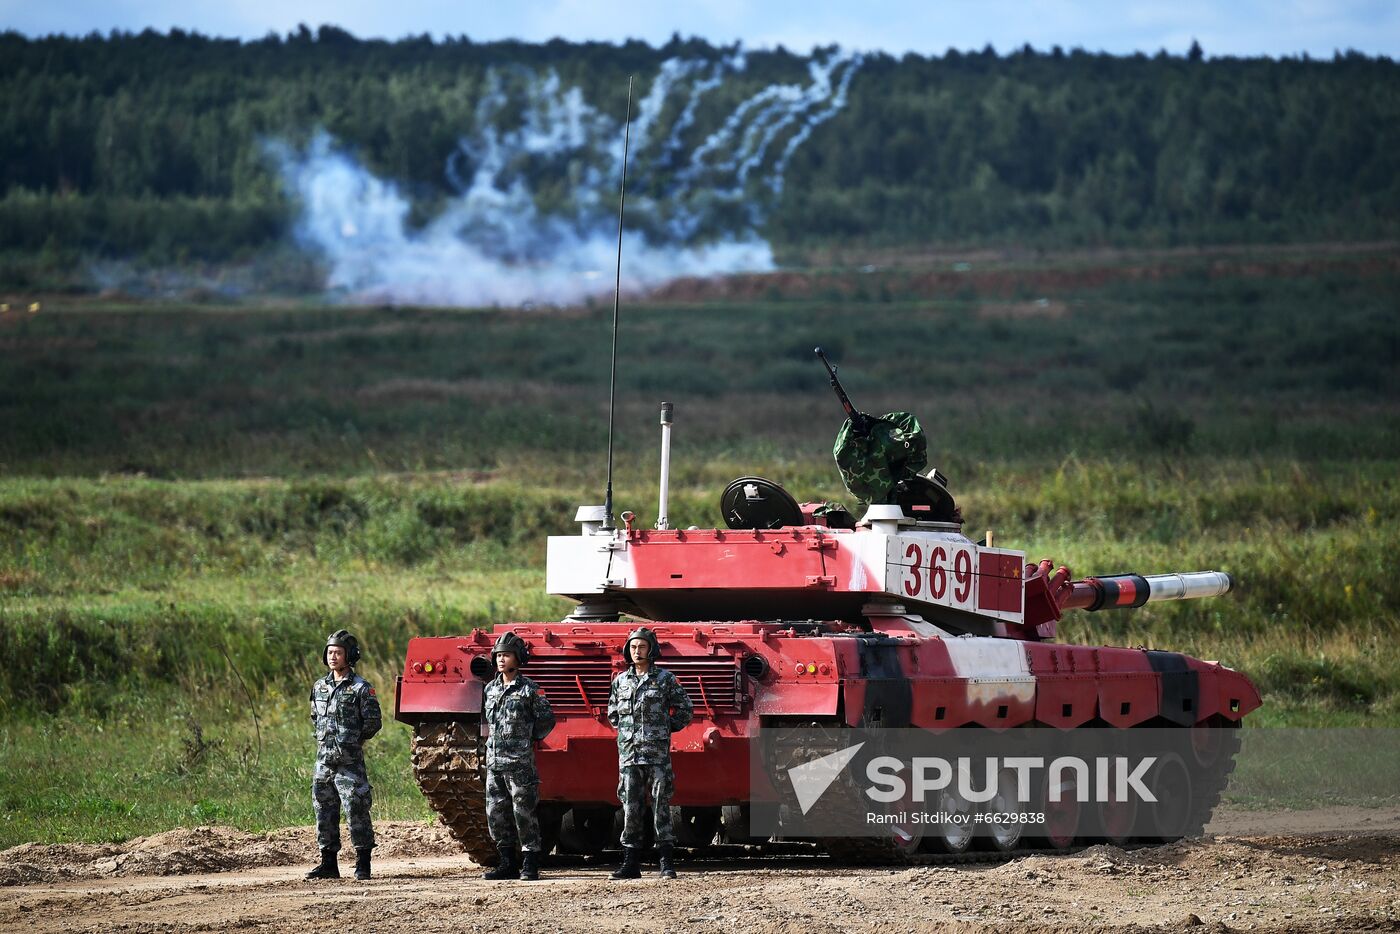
x,y
748,677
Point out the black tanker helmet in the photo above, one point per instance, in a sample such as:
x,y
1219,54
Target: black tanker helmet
x,y
643,633
510,642
349,643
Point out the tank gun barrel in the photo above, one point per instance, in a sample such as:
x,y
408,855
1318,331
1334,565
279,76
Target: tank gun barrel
x,y
1125,591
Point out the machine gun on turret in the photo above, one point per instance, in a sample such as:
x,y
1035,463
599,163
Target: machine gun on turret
x,y
881,460
860,422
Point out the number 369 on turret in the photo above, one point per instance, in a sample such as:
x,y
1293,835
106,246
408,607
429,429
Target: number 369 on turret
x,y
955,573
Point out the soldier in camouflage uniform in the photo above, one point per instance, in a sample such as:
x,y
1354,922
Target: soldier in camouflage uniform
x,y
518,716
344,713
646,705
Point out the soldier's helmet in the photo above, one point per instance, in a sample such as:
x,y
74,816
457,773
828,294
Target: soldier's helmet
x,y
510,642
643,633
349,643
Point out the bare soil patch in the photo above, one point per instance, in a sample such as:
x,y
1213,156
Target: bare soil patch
x,y
216,879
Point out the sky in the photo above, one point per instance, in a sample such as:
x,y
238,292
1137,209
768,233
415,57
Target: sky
x,y
1223,27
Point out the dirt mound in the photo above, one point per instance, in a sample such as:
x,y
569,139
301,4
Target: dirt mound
x,y
201,850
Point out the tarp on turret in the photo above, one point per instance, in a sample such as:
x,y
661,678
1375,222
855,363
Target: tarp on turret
x,y
876,454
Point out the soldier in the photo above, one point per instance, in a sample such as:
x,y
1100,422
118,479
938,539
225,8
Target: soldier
x,y
344,713
519,716
647,704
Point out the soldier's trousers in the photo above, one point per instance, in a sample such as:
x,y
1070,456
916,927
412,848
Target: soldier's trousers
x,y
512,802
347,783
635,785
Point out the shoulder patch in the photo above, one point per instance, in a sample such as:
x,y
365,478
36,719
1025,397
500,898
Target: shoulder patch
x,y
371,692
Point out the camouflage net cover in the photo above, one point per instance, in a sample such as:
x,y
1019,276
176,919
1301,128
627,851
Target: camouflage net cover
x,y
874,454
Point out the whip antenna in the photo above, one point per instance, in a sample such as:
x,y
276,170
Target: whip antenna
x,y
617,299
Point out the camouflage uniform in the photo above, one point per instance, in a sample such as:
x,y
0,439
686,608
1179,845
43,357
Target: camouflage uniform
x,y
878,453
646,709
519,716
344,714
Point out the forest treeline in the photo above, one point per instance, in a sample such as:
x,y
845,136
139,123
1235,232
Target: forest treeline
x,y
151,146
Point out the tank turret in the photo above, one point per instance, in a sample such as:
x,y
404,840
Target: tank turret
x,y
779,560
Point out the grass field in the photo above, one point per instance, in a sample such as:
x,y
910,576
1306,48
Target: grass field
x,y
192,497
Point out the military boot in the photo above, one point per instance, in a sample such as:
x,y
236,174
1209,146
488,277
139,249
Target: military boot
x,y
631,867
329,868
506,867
663,856
530,865
362,862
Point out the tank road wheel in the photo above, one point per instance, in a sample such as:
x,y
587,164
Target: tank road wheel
x,y
906,838
447,766
1170,818
695,827
735,822
1116,818
1061,824
1208,745
1003,828
551,817
587,830
956,830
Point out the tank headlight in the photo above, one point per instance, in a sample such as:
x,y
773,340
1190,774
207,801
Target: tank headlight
x,y
811,668
801,668
428,667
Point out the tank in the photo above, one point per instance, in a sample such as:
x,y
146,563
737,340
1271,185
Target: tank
x,y
797,615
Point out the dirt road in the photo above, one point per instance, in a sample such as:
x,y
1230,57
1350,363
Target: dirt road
x,y
216,879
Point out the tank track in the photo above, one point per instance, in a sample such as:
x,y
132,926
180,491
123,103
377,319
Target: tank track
x,y
1208,784
447,760
1214,777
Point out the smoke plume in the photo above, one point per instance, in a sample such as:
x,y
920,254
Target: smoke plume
x,y
695,199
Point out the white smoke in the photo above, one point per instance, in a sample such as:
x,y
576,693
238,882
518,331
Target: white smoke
x,y
499,241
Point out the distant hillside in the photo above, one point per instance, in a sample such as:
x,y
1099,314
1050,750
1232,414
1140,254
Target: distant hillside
x,y
157,147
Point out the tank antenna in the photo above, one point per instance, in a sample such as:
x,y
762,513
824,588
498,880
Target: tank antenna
x,y
663,521
617,298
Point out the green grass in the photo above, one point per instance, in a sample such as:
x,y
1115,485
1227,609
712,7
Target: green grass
x,y
190,499
185,763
